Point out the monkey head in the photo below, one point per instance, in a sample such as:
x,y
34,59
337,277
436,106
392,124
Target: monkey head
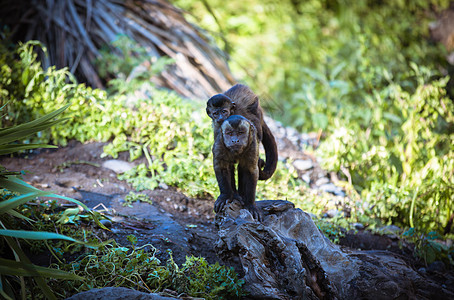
x,y
236,133
220,107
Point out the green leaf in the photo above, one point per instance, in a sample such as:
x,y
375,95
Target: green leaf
x,y
18,215
392,117
14,202
17,268
44,235
20,131
15,184
7,149
36,235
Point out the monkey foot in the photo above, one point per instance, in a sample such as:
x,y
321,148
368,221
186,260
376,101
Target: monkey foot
x,y
254,212
220,202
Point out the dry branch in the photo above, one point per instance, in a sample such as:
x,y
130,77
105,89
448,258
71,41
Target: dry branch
x,y
75,30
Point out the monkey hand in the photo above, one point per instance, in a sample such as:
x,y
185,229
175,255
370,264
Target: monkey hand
x,y
254,212
261,163
220,202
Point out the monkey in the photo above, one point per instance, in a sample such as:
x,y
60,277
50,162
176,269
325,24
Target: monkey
x,y
240,100
237,144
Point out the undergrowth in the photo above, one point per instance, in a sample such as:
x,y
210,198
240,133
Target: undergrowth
x,y
367,76
389,129
172,133
138,268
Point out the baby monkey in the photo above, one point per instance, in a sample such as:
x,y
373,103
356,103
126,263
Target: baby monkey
x,y
237,143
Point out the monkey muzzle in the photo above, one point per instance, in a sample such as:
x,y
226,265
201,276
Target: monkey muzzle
x,y
236,149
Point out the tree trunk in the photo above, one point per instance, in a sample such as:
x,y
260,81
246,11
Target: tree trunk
x,y
287,257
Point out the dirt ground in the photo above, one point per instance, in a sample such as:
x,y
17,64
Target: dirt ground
x,y
173,221
75,171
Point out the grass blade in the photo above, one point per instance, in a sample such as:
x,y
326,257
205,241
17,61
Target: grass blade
x,y
18,268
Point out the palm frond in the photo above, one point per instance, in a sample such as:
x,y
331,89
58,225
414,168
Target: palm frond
x,y
75,30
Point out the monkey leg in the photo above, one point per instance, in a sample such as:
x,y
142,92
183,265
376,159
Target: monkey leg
x,y
224,178
247,184
236,195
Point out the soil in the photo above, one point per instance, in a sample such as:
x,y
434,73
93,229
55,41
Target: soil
x,y
170,222
173,220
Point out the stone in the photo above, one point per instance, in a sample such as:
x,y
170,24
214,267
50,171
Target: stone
x,y
163,186
332,189
436,266
322,181
332,213
303,165
306,178
106,223
118,166
358,226
117,293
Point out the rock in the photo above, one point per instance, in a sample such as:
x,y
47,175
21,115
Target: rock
x,y
436,266
106,223
358,226
306,178
332,188
332,213
163,186
287,257
293,135
303,165
163,224
118,166
37,178
116,293
322,181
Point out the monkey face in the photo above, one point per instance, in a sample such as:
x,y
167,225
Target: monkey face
x,y
219,108
236,133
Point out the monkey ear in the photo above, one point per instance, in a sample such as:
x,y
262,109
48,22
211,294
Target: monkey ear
x,y
253,107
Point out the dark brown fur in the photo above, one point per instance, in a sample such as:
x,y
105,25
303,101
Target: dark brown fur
x,y
240,100
236,143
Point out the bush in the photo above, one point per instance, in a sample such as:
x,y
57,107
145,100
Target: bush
x,y
138,268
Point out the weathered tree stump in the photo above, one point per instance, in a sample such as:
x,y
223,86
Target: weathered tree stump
x,y
287,257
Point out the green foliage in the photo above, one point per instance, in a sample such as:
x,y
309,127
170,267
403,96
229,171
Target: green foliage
x,y
330,54
403,161
209,281
173,134
368,76
16,192
429,247
330,229
134,197
140,269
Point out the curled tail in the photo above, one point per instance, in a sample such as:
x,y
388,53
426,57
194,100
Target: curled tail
x,y
270,153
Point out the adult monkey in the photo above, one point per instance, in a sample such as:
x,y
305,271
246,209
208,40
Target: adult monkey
x,y
240,100
237,143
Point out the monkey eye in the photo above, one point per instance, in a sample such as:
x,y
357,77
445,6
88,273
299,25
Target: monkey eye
x,y
216,113
225,111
